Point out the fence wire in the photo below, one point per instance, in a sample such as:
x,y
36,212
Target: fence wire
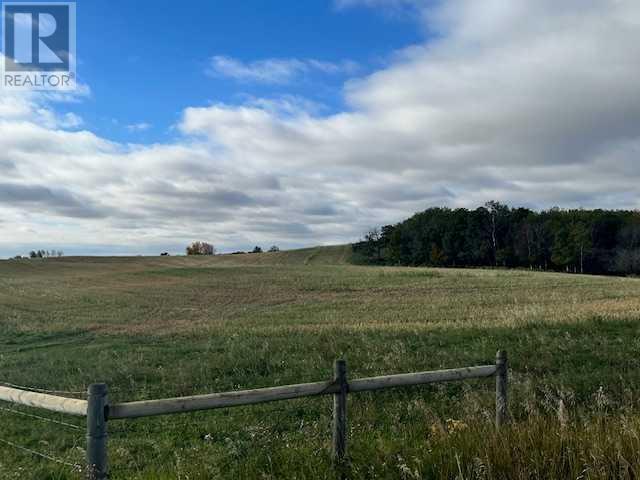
x,y
74,466
281,407
271,421
305,401
183,420
268,422
44,419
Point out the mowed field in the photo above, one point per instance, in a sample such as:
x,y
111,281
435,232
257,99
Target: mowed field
x,y
163,327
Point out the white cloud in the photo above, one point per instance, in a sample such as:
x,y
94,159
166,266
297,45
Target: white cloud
x,y
70,120
500,106
274,70
138,127
393,8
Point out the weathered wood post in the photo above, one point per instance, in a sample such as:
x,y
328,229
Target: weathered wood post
x,y
97,468
502,384
340,413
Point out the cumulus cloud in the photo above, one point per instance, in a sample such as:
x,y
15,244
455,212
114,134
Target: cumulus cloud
x,y
497,96
532,103
274,70
43,200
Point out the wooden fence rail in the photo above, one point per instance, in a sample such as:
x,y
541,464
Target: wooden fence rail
x,y
70,406
150,408
99,411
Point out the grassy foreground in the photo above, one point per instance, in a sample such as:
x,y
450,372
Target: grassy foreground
x,y
153,327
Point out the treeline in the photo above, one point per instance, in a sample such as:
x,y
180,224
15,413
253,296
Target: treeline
x,y
579,241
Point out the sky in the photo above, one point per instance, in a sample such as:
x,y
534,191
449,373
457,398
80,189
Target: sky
x,y
305,123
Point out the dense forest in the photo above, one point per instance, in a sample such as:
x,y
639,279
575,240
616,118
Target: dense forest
x,y
578,241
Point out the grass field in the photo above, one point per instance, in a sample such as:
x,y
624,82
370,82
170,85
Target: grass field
x,y
159,327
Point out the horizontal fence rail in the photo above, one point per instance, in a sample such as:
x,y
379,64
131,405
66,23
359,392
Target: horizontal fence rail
x,y
421,378
149,408
99,411
70,406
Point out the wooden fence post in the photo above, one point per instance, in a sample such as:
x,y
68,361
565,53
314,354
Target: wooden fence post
x,y
502,385
97,468
340,413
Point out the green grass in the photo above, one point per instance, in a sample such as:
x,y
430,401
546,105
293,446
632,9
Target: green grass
x,y
161,327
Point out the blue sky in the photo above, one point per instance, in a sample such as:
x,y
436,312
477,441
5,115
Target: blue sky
x,y
305,123
146,61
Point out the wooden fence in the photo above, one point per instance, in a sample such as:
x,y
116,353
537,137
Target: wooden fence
x,y
98,411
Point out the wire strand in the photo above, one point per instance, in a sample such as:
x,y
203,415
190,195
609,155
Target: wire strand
x,y
74,466
44,419
304,402
281,409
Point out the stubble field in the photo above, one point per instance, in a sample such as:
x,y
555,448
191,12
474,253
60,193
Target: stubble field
x,y
163,327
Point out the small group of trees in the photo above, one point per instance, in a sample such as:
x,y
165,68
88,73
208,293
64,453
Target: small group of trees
x,y
204,248
45,253
587,241
201,248
272,249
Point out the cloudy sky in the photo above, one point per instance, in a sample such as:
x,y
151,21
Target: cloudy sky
x,y
304,123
